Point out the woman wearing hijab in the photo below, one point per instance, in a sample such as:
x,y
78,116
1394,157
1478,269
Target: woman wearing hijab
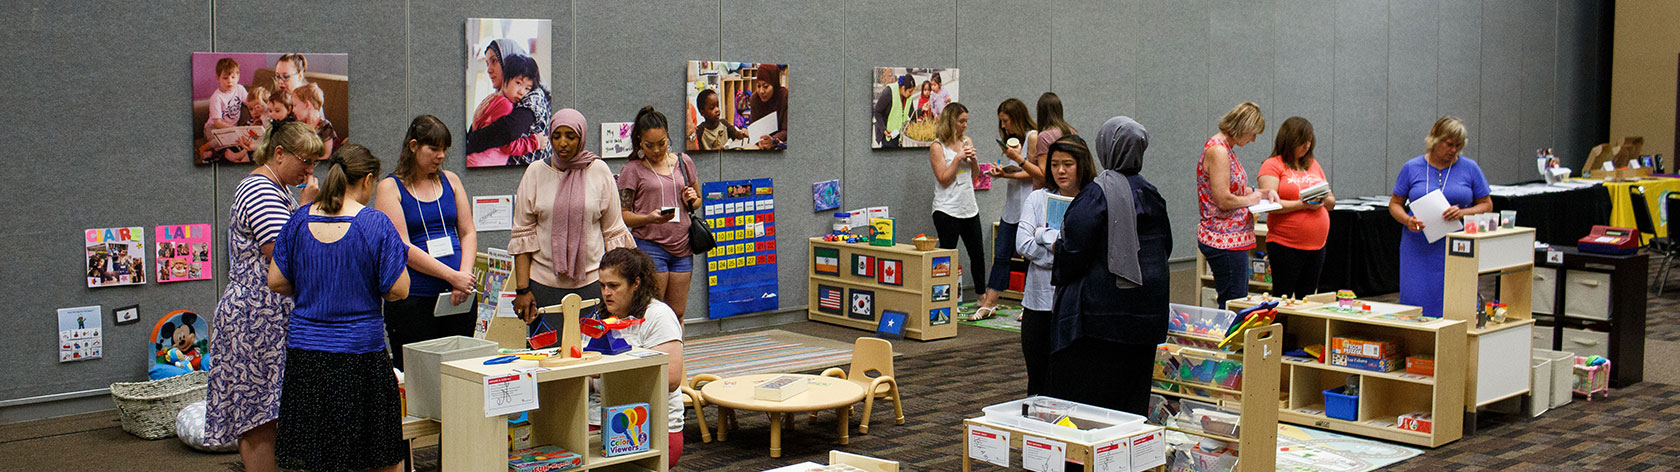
x,y
529,116
1110,277
769,96
566,216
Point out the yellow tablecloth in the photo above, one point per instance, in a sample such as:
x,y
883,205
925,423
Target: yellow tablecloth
x,y
1621,208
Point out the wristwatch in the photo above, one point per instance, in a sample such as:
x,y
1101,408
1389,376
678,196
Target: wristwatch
x,y
521,290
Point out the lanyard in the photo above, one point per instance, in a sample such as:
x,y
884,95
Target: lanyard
x,y
444,222
1443,183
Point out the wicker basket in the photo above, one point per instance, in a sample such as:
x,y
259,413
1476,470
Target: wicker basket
x,y
928,244
148,409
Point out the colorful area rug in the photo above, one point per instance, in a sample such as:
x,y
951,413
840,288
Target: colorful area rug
x,y
762,352
1306,449
1004,319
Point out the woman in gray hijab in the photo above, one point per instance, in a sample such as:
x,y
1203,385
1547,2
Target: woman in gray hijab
x,y
1111,278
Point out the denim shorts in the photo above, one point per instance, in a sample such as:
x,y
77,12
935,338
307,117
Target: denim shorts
x,y
663,261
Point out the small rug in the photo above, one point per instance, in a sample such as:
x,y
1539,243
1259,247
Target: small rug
x,y
1003,320
1306,449
762,352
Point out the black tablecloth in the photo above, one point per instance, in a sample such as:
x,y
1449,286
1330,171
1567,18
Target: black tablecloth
x,y
1362,253
1560,218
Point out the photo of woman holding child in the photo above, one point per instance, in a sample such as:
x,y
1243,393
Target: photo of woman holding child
x,y
237,96
507,92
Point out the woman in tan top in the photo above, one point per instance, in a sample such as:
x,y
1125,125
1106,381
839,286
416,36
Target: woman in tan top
x,y
566,216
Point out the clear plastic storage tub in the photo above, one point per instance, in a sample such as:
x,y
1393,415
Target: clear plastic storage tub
x,y
1199,321
1094,424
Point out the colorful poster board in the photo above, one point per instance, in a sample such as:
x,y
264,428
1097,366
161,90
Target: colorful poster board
x,y
115,256
741,270
615,139
183,253
79,337
825,195
492,269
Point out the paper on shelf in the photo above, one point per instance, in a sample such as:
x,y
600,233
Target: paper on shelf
x,y
511,393
1112,456
1429,209
989,445
1043,455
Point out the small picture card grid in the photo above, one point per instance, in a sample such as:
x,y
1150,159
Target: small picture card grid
x,y
79,334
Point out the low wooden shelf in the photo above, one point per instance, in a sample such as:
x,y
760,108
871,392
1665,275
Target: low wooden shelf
x,y
914,296
1497,356
1261,355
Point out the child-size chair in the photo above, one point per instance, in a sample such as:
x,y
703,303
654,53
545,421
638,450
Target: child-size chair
x,y
871,355
692,398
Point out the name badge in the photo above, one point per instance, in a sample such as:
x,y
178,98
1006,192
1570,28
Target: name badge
x,y
440,247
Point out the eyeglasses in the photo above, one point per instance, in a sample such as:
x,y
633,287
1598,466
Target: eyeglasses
x,y
282,77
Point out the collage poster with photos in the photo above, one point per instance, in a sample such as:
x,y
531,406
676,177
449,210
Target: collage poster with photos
x,y
115,256
183,253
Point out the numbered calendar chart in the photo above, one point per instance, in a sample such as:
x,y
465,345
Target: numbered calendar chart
x,y
741,271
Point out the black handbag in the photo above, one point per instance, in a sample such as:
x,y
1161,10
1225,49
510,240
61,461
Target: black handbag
x,y
700,238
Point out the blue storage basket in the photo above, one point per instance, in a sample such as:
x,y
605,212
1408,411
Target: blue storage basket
x,y
1341,406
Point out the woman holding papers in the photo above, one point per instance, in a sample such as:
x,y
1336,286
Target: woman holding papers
x,y
1465,190
432,212
1110,277
1296,233
1036,233
1226,232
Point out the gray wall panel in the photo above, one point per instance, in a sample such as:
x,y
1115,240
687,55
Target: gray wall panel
x,y
814,109
1012,62
1094,65
1172,104
60,180
1458,71
1304,38
1362,97
901,179
1240,68
633,54
1537,125
1502,66
1580,114
1412,75
437,55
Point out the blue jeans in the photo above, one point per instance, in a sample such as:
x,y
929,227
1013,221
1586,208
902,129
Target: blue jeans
x,y
1230,271
1003,249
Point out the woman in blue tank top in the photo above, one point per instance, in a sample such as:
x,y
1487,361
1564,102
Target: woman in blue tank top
x,y
431,212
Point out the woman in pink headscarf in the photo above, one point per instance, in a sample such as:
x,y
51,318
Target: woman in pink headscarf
x,y
565,217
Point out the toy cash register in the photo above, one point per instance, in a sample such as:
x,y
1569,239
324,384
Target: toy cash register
x,y
1610,240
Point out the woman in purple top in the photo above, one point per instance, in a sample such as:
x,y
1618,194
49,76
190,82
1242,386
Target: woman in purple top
x,y
654,181
337,258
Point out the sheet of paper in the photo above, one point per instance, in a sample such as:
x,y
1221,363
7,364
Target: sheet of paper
x,y
493,212
79,337
229,137
989,445
511,393
761,127
1043,455
1428,209
1264,206
504,305
1112,456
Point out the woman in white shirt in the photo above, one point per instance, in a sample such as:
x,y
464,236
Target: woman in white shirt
x,y
627,289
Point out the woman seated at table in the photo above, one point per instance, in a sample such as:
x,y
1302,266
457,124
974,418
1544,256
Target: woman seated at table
x,y
627,288
1460,180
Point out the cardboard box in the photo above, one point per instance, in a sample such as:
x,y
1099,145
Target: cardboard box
x,y
1378,355
779,388
1421,364
1419,421
543,459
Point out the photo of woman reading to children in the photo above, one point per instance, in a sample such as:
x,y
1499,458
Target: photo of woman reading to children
x,y
736,106
237,96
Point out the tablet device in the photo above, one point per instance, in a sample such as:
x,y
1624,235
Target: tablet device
x,y
444,308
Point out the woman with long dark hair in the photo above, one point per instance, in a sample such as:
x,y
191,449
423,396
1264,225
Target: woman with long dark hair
x,y
433,212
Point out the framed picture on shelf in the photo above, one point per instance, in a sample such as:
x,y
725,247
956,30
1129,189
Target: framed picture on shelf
x,y
942,292
829,300
939,316
863,265
863,305
891,272
941,266
892,325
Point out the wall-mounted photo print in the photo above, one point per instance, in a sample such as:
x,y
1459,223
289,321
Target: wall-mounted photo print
x,y
235,96
907,105
736,106
508,101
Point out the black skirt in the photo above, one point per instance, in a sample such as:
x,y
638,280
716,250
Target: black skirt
x,y
339,412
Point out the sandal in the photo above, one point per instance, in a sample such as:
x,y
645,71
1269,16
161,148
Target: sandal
x,y
983,313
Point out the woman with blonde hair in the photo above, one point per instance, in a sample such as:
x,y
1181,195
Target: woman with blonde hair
x,y
1460,180
955,213
1226,232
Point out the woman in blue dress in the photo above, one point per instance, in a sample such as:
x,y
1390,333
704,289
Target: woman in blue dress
x,y
1460,180
338,259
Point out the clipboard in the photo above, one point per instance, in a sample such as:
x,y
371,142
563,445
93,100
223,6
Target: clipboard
x,y
445,308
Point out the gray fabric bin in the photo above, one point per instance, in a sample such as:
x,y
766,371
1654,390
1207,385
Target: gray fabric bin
x,y
421,362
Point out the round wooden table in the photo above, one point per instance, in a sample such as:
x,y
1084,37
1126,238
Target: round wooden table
x,y
821,393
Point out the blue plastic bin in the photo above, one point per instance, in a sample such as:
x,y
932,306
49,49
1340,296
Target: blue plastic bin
x,y
1341,406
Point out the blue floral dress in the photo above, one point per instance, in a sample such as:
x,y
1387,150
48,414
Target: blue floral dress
x,y
249,328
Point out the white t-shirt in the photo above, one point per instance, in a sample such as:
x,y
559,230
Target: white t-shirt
x,y
1018,188
661,327
226,106
957,199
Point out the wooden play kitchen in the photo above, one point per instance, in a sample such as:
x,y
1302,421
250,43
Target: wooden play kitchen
x,y
856,284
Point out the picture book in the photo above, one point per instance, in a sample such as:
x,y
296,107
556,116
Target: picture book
x,y
626,429
1055,207
543,459
492,270
183,253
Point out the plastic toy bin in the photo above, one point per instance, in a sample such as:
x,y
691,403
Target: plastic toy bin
x,y
1340,405
421,361
1097,424
1199,321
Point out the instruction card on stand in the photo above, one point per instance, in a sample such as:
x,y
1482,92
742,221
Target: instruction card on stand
x,y
1043,455
1112,456
987,444
511,393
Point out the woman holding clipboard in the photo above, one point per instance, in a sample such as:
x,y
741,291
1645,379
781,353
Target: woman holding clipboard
x,y
1460,181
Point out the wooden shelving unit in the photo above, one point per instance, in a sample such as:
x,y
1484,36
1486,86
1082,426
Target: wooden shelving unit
x,y
1204,278
914,296
1257,431
473,442
1383,395
1497,355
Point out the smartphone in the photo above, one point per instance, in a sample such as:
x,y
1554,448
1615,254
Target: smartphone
x,y
668,211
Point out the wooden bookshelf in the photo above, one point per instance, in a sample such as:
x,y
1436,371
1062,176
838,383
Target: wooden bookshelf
x,y
1497,353
914,295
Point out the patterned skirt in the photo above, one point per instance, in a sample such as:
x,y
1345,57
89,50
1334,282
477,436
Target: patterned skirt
x,y
339,412
248,341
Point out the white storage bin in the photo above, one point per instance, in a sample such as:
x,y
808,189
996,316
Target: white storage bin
x,y
1210,297
1563,375
421,362
1587,295
1542,336
1586,343
1199,321
1539,385
1544,290
1119,424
